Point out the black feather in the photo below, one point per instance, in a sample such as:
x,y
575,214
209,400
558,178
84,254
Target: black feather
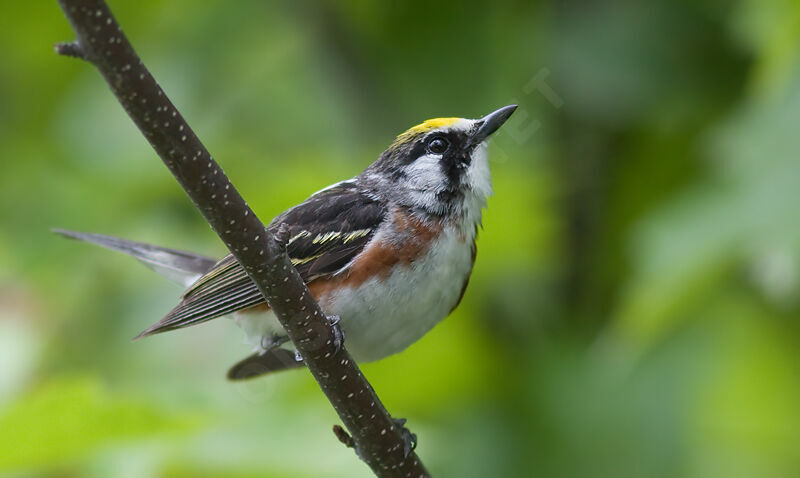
x,y
171,263
258,364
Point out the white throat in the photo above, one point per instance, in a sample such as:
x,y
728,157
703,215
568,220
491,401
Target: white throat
x,y
479,181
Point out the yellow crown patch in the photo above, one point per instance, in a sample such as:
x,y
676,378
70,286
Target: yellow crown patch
x,y
429,125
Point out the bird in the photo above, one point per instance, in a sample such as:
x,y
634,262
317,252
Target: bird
x,y
388,252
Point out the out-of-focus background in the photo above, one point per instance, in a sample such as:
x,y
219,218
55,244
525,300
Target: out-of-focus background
x,y
634,306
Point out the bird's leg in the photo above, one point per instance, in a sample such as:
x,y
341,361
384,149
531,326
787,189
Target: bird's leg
x,y
269,342
409,439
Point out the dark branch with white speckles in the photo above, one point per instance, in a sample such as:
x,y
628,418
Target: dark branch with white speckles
x,y
380,441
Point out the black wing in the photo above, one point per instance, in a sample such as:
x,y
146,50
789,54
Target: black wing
x,y
324,234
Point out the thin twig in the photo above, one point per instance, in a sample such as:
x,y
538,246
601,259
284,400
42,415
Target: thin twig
x,y
343,436
69,49
378,440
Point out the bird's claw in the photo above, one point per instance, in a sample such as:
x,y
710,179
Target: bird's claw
x,y
282,235
409,439
338,333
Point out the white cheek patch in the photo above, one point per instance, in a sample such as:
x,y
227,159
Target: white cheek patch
x,y
426,173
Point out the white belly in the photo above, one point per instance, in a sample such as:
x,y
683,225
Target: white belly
x,y
384,316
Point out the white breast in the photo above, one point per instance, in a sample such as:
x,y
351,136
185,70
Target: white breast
x,y
384,316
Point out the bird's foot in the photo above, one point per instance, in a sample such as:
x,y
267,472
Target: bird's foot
x,y
282,235
338,333
409,439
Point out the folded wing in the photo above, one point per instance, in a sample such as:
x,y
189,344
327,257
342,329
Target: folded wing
x,y
324,234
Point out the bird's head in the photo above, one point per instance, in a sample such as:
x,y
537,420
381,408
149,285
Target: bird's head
x,y
438,165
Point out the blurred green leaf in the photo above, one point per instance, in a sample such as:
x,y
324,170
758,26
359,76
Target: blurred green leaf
x,y
634,305
67,419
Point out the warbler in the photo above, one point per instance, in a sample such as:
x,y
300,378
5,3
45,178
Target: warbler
x,y
389,252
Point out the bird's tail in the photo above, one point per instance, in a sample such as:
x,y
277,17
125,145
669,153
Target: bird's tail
x,y
179,266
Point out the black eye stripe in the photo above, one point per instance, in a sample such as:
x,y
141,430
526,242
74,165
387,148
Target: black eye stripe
x,y
458,147
416,151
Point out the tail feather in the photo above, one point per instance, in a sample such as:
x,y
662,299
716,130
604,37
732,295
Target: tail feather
x,y
179,266
261,363
185,268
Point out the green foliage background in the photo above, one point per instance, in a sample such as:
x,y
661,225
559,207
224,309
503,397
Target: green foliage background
x,y
634,307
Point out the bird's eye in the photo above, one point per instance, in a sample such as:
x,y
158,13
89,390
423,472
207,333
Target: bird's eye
x,y
438,145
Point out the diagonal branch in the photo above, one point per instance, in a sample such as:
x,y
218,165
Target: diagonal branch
x,y
380,441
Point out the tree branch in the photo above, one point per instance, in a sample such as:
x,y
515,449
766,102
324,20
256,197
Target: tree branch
x,y
379,440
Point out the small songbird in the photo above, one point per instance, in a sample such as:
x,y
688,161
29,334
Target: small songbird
x,y
389,252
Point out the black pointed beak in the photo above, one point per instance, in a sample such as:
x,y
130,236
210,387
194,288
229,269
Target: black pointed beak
x,y
491,122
